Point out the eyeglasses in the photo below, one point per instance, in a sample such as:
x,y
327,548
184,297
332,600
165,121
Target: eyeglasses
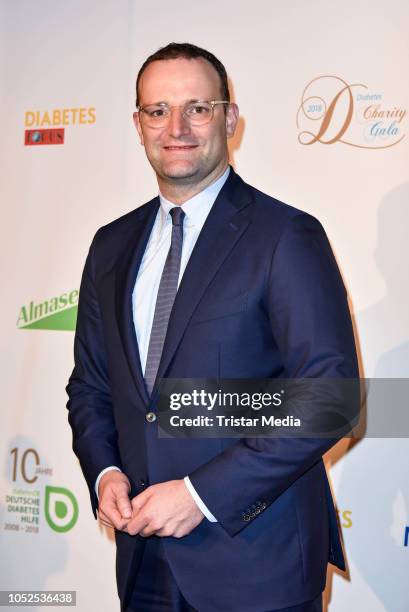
x,y
196,113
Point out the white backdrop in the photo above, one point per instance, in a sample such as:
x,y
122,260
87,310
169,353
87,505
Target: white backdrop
x,y
82,57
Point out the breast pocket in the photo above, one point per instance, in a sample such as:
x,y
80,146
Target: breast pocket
x,y
221,309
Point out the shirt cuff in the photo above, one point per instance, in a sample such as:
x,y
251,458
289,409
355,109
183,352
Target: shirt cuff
x,y
198,501
111,467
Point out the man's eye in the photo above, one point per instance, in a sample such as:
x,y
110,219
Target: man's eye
x,y
198,109
157,112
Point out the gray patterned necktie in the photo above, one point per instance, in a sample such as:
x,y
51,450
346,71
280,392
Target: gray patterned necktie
x,y
166,296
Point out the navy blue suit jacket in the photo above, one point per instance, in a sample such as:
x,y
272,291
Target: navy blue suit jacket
x,y
261,297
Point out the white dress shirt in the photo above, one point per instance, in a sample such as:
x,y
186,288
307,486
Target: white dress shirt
x,y
150,271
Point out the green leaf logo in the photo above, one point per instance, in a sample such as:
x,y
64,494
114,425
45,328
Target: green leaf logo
x,y
58,313
61,508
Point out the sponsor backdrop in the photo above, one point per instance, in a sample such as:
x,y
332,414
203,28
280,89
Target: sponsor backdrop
x,y
324,97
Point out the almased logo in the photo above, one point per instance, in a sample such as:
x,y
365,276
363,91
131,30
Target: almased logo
x,y
58,313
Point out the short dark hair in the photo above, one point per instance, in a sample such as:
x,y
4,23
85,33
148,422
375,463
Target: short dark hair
x,y
187,51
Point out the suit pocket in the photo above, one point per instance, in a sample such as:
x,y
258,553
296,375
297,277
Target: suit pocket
x,y
219,310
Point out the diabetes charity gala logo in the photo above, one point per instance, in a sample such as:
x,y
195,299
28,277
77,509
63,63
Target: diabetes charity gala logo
x,y
332,110
29,498
57,313
48,127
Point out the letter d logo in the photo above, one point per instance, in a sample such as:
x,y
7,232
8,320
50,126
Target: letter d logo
x,y
61,508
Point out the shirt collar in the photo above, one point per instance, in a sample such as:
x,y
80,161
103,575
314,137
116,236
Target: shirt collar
x,y
198,207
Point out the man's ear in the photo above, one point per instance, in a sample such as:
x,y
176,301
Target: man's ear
x,y
138,126
232,117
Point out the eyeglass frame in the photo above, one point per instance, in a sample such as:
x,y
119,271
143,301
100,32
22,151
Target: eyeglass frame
x,y
213,103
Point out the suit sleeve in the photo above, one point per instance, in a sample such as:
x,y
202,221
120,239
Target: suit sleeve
x,y
312,328
90,407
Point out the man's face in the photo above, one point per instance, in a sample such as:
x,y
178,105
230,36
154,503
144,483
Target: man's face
x,y
178,152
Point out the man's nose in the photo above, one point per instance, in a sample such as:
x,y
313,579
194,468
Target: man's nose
x,y
178,124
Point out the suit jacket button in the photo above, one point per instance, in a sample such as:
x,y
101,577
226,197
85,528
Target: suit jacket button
x,y
150,417
246,517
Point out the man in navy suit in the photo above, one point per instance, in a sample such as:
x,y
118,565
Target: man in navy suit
x,y
213,525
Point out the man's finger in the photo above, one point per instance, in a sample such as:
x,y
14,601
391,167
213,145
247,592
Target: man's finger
x,y
110,513
124,505
140,500
105,523
104,520
137,524
153,529
164,532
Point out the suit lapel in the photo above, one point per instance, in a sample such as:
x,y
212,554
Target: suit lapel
x,y
225,224
125,277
